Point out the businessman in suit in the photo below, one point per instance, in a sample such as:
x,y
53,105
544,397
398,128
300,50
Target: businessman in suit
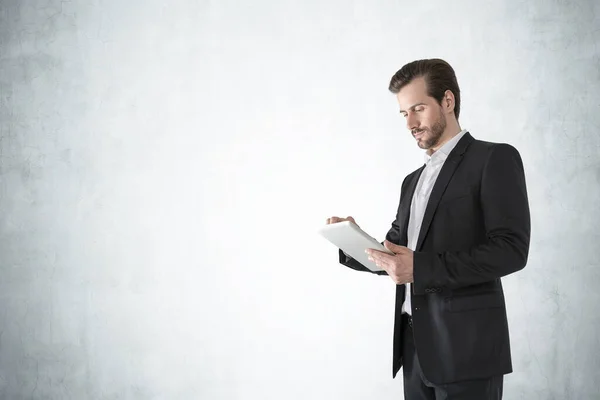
x,y
462,224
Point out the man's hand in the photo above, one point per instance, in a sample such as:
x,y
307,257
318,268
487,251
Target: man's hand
x,y
334,220
399,266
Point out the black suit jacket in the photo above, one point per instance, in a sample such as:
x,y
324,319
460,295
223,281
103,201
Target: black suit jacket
x,y
475,230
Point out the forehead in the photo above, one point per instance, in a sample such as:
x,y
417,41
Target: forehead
x,y
412,93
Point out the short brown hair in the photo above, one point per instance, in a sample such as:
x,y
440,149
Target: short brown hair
x,y
439,77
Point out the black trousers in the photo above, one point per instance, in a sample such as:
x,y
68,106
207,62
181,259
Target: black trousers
x,y
417,387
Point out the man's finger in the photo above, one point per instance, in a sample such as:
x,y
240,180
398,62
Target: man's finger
x,y
380,262
379,255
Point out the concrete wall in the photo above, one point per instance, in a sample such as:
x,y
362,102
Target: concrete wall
x,y
165,165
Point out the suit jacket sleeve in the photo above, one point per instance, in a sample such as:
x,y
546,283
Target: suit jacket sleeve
x,y
506,216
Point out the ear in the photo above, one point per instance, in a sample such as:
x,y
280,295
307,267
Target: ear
x,y
448,102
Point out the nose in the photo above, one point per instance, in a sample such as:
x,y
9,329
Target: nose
x,y
412,122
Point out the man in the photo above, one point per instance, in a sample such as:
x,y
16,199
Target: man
x,y
462,223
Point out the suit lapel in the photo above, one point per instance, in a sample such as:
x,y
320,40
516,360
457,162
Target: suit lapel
x,y
406,204
448,169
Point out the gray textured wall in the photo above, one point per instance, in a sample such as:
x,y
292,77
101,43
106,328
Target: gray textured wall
x,y
165,165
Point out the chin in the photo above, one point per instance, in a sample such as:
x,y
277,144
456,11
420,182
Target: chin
x,y
424,144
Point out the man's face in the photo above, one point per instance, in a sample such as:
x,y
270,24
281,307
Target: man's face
x,y
424,116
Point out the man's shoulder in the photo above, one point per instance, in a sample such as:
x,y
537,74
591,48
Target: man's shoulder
x,y
486,146
415,172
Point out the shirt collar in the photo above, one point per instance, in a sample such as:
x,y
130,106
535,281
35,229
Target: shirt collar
x,y
442,153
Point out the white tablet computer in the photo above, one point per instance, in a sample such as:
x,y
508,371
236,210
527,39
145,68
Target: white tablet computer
x,y
353,241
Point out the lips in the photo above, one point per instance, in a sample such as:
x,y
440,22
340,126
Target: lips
x,y
419,134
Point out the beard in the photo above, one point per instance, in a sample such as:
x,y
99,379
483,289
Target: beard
x,y
433,135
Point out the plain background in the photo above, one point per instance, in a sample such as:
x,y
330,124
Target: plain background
x,y
165,167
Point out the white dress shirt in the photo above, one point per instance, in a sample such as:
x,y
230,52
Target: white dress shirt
x,y
433,166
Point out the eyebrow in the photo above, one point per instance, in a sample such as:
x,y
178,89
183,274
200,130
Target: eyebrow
x,y
413,106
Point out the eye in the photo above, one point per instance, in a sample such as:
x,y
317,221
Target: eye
x,y
419,109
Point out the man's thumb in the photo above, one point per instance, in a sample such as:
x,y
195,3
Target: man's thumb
x,y
392,247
